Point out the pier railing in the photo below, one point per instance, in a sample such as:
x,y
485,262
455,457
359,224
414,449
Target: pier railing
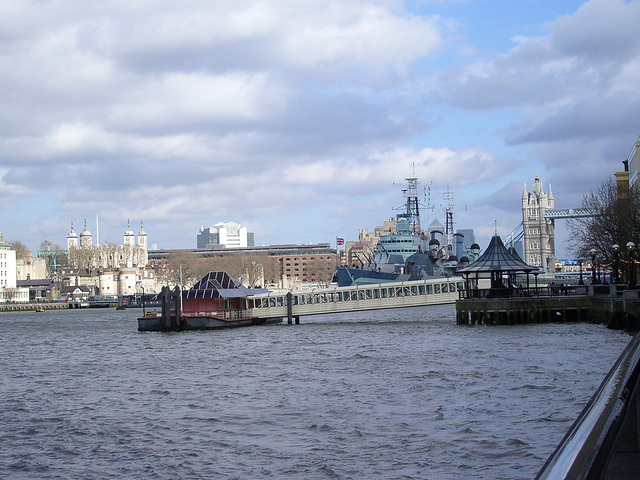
x,y
593,290
522,292
603,442
222,314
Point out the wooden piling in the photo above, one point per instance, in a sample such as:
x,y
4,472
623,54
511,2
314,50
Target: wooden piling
x,y
620,312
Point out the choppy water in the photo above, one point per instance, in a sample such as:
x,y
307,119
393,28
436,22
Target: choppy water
x,y
390,394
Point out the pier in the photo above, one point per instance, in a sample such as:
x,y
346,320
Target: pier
x,y
220,301
613,305
292,305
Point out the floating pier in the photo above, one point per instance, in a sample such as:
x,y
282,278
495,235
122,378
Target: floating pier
x,y
613,305
219,301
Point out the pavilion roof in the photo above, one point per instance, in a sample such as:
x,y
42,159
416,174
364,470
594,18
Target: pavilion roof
x,y
219,284
496,258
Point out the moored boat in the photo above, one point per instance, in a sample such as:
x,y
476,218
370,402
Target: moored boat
x,y
216,301
408,253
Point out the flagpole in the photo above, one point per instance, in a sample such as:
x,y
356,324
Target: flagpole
x,y
339,241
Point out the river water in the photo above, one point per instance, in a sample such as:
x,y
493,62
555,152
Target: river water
x,y
390,394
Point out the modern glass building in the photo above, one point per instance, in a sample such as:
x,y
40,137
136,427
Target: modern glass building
x,y
228,234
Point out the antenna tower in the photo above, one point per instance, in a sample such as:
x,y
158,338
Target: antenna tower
x,y
448,225
412,204
448,228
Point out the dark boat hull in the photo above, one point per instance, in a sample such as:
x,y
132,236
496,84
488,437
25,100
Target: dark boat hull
x,y
199,322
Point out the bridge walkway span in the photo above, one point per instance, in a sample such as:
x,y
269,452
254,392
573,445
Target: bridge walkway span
x,y
319,301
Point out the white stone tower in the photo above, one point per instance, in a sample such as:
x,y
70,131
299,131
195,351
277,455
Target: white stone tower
x,y
72,239
86,240
142,237
129,237
539,244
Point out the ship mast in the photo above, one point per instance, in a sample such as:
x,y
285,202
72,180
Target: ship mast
x,y
413,209
448,227
411,214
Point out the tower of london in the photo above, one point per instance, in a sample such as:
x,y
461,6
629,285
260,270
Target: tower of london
x,y
83,254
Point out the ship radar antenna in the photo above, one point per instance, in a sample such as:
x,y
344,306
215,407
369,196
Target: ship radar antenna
x,y
448,229
412,204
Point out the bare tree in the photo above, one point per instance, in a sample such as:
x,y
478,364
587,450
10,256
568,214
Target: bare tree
x,y
11,294
182,266
22,252
617,222
255,270
320,271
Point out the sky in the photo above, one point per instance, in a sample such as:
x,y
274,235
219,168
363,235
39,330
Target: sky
x,y
301,119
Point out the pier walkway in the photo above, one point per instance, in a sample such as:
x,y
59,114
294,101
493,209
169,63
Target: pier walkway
x,y
293,304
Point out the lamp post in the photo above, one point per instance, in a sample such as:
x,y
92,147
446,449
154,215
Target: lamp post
x,y
581,282
631,248
593,266
616,259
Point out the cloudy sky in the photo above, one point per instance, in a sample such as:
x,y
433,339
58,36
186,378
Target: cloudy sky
x,y
299,119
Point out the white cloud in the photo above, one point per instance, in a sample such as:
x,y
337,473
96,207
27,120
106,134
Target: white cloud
x,y
196,111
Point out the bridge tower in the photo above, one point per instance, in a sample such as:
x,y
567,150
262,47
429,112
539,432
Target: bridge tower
x,y
539,244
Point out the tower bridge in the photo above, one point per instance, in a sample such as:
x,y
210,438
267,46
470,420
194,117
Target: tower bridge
x,y
537,229
557,214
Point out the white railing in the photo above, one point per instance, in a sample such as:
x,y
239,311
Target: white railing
x,y
588,446
354,298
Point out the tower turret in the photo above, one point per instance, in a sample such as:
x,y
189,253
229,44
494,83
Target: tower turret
x,y
129,237
539,243
142,237
72,239
86,240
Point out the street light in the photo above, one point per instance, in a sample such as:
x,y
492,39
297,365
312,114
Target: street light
x,y
593,266
631,248
581,282
616,258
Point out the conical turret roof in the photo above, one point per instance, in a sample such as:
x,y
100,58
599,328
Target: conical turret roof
x,y
496,258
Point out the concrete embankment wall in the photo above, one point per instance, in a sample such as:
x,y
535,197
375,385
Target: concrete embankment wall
x,y
26,307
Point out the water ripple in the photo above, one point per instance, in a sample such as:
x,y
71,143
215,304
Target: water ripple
x,y
386,395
